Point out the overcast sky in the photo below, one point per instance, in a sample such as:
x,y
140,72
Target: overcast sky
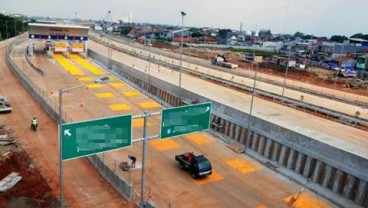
x,y
317,17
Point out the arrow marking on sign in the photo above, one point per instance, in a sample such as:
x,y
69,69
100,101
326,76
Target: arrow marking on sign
x,y
67,132
207,109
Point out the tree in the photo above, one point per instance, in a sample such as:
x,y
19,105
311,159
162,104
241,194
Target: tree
x,y
197,34
360,35
338,38
299,34
125,30
224,32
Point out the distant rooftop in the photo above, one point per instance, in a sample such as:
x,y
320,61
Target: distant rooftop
x,y
57,25
358,39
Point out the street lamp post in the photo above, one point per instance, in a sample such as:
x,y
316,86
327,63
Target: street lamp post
x,y
181,46
6,28
286,73
149,62
15,28
61,91
252,99
109,50
338,71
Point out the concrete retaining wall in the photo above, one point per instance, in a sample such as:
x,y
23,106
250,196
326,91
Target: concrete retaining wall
x,y
335,174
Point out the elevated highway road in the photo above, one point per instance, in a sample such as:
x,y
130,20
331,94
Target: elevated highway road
x,y
325,106
238,180
338,135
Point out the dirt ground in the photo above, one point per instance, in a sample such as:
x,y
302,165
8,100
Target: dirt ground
x,y
80,183
32,190
314,75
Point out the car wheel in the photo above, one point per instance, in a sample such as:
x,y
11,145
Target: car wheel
x,y
194,175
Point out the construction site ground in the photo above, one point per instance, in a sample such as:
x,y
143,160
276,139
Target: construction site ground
x,y
312,75
32,190
83,186
165,181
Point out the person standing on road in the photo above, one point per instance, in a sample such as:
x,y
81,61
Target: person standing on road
x,y
34,123
134,159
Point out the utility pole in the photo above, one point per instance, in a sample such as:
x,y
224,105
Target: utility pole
x,y
181,46
6,26
109,50
15,28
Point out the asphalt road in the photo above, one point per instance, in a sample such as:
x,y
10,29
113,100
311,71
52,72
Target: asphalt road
x,y
308,98
82,183
238,181
335,134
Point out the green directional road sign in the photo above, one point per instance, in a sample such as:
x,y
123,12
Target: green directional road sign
x,y
80,139
185,120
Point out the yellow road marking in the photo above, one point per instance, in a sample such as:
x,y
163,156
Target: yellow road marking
x,y
85,79
149,104
199,138
67,65
261,206
162,145
93,86
117,84
243,165
87,65
209,179
132,93
119,107
104,95
111,78
306,200
139,122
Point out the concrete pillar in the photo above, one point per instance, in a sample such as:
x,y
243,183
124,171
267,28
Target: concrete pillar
x,y
218,123
317,171
275,151
213,120
222,123
227,128
248,140
307,167
291,159
237,133
350,182
166,97
337,181
282,155
232,130
261,145
243,135
254,141
327,177
299,162
267,153
362,192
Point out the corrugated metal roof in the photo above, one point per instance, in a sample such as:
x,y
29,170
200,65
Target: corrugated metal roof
x,y
57,26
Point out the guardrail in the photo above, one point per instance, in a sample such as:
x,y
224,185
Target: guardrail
x,y
206,64
29,62
342,117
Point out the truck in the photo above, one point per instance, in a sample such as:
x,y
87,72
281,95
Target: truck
x,y
220,60
197,166
345,71
5,106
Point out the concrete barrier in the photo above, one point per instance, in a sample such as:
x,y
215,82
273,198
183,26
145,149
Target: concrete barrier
x,y
336,174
